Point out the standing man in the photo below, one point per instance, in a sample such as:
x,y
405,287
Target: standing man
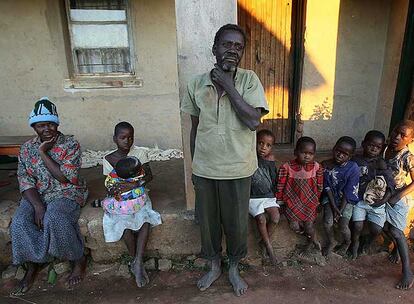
x,y
225,105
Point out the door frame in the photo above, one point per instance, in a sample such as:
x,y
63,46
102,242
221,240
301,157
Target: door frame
x,y
298,42
405,78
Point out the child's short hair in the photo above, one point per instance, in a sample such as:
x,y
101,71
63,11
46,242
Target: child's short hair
x,y
347,139
266,132
127,167
305,140
374,134
122,126
407,123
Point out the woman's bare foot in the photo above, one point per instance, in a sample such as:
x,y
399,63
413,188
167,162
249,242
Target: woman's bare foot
x,y
78,272
406,282
211,276
141,276
394,256
27,282
239,285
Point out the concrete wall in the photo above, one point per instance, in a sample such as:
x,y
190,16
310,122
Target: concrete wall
x,y
393,48
345,43
197,23
34,64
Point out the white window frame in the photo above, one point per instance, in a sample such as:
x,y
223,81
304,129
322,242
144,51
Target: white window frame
x,y
102,80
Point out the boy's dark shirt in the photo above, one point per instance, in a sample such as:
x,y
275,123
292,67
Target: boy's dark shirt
x,y
264,180
369,171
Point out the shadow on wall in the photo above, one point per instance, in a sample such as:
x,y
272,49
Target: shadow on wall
x,y
272,27
361,46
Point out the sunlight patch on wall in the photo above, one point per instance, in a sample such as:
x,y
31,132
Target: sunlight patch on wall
x,y
321,35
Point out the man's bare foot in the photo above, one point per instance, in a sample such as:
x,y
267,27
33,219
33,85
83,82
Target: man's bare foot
x,y
406,282
78,272
394,256
27,282
141,276
239,285
211,276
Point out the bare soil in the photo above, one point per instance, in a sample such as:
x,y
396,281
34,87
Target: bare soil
x,y
370,279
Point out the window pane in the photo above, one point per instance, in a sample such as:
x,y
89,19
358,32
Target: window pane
x,y
98,61
100,36
97,15
98,4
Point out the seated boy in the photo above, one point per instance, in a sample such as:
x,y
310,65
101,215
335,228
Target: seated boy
x,y
401,161
376,185
340,180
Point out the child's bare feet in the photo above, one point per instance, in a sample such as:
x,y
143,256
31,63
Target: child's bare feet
x,y
27,282
271,254
141,276
310,245
406,282
394,256
328,249
342,248
239,285
211,276
78,272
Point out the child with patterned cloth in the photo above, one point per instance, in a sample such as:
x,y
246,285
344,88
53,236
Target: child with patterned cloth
x,y
262,192
127,171
340,180
401,162
133,227
376,186
299,186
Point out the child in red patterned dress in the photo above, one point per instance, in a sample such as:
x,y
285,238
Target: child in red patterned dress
x,y
300,183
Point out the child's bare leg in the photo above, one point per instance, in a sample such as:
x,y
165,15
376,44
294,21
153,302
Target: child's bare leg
x,y
374,230
328,219
295,226
211,276
356,233
262,227
394,256
141,276
407,279
346,234
311,235
274,217
129,238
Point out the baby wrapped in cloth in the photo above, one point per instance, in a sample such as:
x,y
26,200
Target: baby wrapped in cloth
x,y
378,186
128,171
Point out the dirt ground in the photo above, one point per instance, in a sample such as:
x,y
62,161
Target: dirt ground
x,y
370,279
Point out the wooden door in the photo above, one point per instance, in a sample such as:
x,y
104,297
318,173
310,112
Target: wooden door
x,y
269,52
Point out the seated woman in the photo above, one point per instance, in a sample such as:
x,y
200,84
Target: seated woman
x,y
46,223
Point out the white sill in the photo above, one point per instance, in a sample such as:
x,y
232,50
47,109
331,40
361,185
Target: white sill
x,y
103,82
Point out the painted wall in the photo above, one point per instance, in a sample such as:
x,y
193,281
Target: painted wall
x,y
197,23
34,64
345,43
393,48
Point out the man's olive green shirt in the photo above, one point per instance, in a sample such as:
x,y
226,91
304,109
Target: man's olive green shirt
x,y
225,148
